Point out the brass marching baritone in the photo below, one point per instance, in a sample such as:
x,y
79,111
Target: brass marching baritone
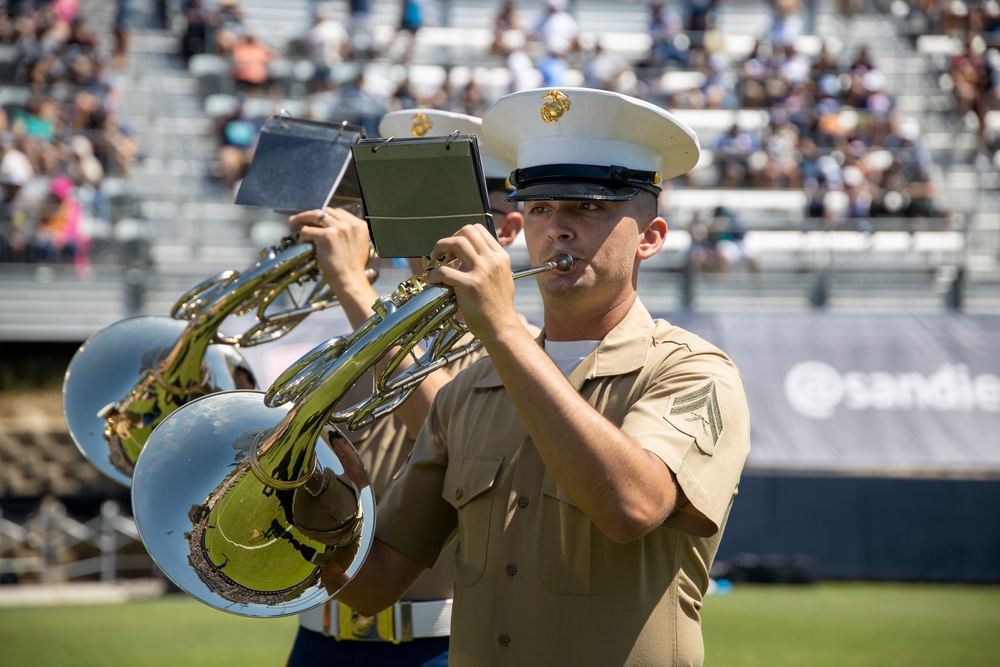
x,y
213,488
130,375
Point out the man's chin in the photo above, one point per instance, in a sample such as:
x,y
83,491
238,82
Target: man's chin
x,y
562,284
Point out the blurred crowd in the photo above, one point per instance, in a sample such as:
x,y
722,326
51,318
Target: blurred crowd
x,y
830,124
833,128
970,69
61,133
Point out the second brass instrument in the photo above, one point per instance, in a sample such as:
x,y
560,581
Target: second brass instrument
x,y
128,376
213,488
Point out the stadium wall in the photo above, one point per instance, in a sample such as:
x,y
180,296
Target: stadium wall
x,y
797,529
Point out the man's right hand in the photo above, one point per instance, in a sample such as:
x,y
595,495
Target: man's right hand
x,y
342,246
333,515
343,249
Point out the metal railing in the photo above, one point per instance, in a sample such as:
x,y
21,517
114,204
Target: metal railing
x,y
53,547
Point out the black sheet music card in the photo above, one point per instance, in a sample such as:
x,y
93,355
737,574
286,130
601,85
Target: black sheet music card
x,y
299,165
418,190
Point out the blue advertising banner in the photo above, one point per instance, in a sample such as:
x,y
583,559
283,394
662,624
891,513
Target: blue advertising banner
x,y
866,393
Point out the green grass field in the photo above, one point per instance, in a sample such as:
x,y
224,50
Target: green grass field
x,y
842,625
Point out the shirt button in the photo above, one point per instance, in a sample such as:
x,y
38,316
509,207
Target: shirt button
x,y
504,640
511,569
458,494
523,501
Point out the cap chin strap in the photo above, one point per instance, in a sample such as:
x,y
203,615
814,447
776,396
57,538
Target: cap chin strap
x,y
613,176
548,195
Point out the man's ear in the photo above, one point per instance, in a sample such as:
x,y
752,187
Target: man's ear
x,y
512,225
651,239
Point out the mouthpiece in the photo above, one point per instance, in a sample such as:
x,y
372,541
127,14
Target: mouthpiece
x,y
562,261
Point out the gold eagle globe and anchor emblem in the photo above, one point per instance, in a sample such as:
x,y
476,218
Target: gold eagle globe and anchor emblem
x,y
557,105
421,125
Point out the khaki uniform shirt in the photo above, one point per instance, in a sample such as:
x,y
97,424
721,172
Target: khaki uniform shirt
x,y
537,583
383,447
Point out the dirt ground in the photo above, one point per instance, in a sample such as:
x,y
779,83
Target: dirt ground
x,y
30,409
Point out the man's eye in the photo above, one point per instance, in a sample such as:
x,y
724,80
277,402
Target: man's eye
x,y
589,206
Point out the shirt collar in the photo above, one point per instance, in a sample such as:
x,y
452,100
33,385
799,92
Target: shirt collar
x,y
619,353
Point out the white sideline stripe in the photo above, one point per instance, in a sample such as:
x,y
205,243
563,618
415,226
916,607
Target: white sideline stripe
x,y
30,595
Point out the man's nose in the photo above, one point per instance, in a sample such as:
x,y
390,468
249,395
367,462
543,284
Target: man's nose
x,y
561,227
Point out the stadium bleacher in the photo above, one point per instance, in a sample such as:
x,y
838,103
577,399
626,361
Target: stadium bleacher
x,y
195,229
169,222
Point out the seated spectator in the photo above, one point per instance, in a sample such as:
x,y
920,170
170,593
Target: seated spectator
x,y
923,194
251,59
508,32
729,238
754,72
327,40
115,145
825,61
786,22
558,30
955,17
200,21
88,173
122,31
522,71
84,72
411,20
81,111
713,41
605,70
403,97
732,152
670,45
849,8
58,235
719,89
361,28
85,38
237,136
15,172
65,10
779,158
15,167
443,97
472,99
971,81
698,13
8,31
230,26
555,70
795,67
37,126
859,191
702,254
361,106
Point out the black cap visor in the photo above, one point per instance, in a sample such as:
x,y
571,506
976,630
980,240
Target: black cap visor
x,y
580,182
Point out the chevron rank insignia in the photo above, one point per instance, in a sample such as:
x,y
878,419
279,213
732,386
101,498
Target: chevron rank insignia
x,y
697,413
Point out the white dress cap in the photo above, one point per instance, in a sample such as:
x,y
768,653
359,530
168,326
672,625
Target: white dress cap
x,y
437,123
555,136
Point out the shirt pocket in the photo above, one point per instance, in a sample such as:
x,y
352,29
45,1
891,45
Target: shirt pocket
x,y
467,483
577,558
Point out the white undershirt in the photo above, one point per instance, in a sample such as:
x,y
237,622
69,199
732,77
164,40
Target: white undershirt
x,y
567,354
